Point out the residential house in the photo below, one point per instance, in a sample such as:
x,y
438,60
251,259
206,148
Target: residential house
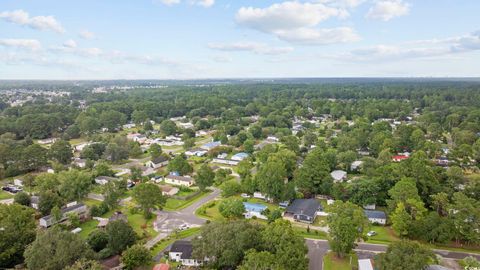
x,y
103,180
179,180
365,264
272,139
303,210
137,137
173,138
225,161
185,125
73,207
157,162
18,182
47,141
181,251
356,165
80,162
199,152
161,266
338,175
378,217
34,202
239,156
439,267
259,195
254,210
209,146
399,158
169,190
81,146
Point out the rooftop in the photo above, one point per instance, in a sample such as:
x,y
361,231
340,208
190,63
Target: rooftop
x,y
184,247
375,214
304,206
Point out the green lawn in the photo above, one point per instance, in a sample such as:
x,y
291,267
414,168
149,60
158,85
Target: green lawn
x,y
91,202
331,262
141,226
384,235
174,204
314,234
88,227
5,195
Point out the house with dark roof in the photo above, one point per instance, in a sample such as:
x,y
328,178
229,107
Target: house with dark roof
x,y
303,210
181,251
79,208
378,217
103,180
157,162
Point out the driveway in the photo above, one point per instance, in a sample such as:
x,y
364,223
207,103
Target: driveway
x,y
168,221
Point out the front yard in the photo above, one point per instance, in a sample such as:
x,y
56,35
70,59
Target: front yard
x,y
332,262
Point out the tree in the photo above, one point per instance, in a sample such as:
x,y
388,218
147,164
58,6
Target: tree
x,y
56,249
56,214
139,117
289,249
271,179
249,146
115,152
73,219
230,188
18,230
103,169
74,184
204,177
148,196
22,198
258,260
168,127
346,223
155,151
226,243
314,175
97,240
135,256
292,143
84,264
112,119
405,255
231,208
180,164
48,200
465,213
120,236
111,194
61,151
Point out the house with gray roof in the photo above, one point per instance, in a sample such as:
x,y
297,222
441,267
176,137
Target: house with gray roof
x,y
303,210
374,216
79,208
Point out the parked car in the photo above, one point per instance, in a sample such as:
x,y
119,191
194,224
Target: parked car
x,y
371,233
245,195
183,227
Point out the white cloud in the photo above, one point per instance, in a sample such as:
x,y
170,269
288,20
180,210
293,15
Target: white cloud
x,y
70,43
311,36
416,49
29,44
387,10
85,34
167,2
222,58
21,17
203,3
342,3
255,47
297,22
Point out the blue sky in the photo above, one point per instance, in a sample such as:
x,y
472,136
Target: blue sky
x,y
178,39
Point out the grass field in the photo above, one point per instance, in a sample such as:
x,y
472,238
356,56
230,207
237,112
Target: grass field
x,y
332,262
384,235
175,204
5,195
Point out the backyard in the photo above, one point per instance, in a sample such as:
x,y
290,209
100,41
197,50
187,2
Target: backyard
x,y
332,262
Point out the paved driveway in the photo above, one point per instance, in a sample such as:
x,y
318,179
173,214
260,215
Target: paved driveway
x,y
169,221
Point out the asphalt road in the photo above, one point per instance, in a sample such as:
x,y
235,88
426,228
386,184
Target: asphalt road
x,y
318,248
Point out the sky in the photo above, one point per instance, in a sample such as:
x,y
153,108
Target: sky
x,y
195,39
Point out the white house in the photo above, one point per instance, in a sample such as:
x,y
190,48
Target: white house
x,y
103,180
211,145
181,251
34,202
338,175
199,152
378,217
365,264
355,166
18,182
179,180
225,161
80,162
169,190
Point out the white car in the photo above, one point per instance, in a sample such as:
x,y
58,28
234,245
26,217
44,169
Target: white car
x,y
371,233
245,195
